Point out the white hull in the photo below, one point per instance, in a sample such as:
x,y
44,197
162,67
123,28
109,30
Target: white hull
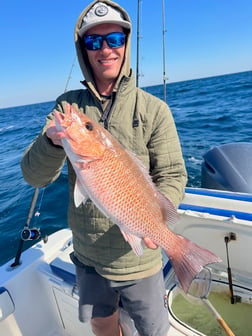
x,y
40,298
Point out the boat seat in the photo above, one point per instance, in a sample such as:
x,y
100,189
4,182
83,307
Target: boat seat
x,y
63,267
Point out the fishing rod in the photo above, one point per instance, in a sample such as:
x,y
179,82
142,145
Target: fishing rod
x,y
27,232
164,60
138,41
70,74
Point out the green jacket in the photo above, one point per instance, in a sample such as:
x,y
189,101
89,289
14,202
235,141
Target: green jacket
x,y
143,124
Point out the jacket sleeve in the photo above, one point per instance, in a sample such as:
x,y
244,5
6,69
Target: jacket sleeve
x,y
42,161
166,160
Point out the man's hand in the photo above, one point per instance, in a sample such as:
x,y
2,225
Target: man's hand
x,y
54,135
149,243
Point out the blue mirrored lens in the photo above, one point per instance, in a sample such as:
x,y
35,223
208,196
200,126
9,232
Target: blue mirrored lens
x,y
114,40
93,42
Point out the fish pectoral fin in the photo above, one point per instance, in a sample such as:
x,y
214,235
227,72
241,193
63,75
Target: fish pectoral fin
x,y
80,196
135,242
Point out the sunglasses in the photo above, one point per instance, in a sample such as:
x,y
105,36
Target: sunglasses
x,y
114,40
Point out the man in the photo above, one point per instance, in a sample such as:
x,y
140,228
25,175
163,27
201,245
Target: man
x,y
107,269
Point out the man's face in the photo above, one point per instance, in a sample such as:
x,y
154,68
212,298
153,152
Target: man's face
x,y
106,62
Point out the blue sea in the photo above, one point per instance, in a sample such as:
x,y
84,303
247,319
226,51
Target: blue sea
x,y
208,112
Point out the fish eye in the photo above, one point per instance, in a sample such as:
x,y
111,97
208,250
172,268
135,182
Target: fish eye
x,y
89,126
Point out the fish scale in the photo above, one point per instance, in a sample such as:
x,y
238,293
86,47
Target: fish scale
x,y
118,192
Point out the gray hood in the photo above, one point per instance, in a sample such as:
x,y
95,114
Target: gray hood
x,y
82,55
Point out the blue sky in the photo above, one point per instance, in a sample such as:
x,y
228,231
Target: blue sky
x,y
203,38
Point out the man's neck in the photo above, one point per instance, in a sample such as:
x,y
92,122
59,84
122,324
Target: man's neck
x,y
105,88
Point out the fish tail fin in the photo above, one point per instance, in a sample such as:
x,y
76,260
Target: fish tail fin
x,y
192,260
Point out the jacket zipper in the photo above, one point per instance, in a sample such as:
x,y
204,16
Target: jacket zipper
x,y
107,112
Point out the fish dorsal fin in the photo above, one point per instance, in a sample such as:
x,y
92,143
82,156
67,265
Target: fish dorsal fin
x,y
80,195
169,212
141,165
135,242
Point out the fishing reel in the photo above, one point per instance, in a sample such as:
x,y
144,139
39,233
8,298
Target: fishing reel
x,y
32,234
27,233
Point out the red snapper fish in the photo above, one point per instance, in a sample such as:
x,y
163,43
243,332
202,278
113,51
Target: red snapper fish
x,y
122,189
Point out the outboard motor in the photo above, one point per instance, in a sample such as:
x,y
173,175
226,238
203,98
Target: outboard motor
x,y
228,167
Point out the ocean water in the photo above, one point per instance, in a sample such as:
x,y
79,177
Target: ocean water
x,y
208,112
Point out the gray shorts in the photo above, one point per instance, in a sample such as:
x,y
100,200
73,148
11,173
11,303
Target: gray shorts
x,y
143,299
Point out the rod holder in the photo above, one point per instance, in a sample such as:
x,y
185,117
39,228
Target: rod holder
x,y
231,236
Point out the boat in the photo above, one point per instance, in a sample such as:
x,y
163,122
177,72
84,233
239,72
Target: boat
x,y
38,292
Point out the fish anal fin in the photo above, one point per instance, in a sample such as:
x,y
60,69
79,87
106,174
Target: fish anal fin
x,y
135,242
